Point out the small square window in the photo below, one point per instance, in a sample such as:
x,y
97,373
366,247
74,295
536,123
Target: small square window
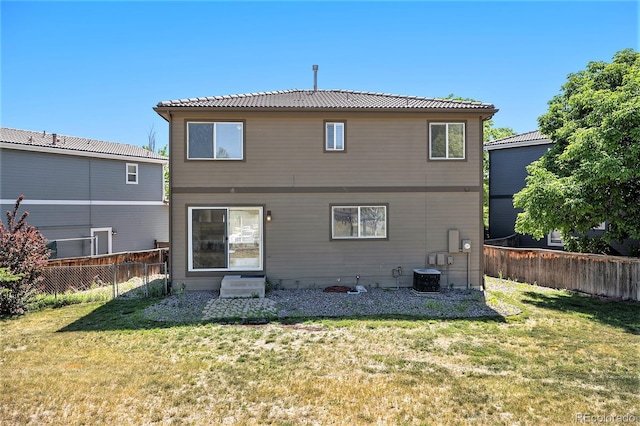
x,y
334,136
554,239
132,173
446,141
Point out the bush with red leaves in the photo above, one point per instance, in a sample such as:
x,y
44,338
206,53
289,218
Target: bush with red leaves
x,y
23,251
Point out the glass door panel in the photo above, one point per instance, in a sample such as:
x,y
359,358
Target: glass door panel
x,y
245,238
209,238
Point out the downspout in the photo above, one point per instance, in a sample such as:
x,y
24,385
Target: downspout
x,y
170,263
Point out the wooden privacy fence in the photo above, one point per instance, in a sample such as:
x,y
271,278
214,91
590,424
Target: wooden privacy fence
x,y
610,276
146,256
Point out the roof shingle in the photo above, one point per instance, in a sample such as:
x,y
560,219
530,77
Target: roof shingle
x,y
38,141
332,99
529,138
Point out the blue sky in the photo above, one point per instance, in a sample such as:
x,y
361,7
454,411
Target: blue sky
x,y
96,69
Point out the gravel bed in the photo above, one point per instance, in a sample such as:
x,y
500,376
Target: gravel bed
x,y
377,301
182,307
189,306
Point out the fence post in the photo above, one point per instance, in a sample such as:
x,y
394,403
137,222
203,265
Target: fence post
x,y
146,280
113,280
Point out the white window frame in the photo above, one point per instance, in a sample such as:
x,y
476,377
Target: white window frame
x,y
190,267
336,124
127,174
553,242
215,142
464,140
359,236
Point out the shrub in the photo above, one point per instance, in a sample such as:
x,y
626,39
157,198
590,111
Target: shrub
x,y
23,253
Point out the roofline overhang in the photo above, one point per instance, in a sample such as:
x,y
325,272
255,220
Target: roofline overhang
x,y
77,153
485,113
518,144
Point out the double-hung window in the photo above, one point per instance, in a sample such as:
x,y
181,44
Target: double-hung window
x,y
220,140
334,136
359,222
132,173
446,141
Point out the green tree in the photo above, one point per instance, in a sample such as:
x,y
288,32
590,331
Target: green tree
x,y
151,138
591,173
164,151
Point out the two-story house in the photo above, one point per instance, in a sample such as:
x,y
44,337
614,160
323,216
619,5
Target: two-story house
x,y
86,196
325,187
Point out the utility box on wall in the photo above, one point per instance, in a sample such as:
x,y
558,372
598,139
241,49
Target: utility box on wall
x,y
454,238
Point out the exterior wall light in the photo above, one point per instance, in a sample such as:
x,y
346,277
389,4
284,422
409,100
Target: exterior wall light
x,y
268,215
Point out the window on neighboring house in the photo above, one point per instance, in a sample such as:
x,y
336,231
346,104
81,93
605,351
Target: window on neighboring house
x,y
132,173
554,239
359,222
215,141
446,141
225,238
334,139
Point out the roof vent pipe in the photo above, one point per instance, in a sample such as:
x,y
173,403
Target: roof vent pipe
x,y
55,138
315,78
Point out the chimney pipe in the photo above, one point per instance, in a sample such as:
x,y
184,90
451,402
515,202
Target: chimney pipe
x,y
55,138
315,78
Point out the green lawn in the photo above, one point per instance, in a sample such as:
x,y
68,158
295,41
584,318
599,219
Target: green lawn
x,y
566,355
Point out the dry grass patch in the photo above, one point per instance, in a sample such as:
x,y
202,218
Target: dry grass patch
x,y
104,363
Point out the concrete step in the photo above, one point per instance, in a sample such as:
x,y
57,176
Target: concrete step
x,y
238,286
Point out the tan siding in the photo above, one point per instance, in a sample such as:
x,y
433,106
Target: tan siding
x,y
288,151
285,150
299,250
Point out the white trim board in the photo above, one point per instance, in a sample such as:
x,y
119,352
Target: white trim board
x,y
83,202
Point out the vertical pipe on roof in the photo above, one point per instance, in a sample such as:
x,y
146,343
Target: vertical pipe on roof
x,y
315,78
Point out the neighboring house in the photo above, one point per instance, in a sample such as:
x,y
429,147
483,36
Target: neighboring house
x,y
319,187
86,196
508,159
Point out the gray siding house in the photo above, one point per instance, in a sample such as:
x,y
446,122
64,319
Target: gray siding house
x,y
87,197
325,187
508,160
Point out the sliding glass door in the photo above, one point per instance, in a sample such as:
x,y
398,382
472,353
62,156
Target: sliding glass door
x,y
225,238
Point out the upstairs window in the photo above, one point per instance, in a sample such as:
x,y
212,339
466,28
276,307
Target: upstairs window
x,y
215,141
359,222
446,141
334,136
132,173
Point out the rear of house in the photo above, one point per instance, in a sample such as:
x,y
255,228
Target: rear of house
x,y
325,187
86,196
